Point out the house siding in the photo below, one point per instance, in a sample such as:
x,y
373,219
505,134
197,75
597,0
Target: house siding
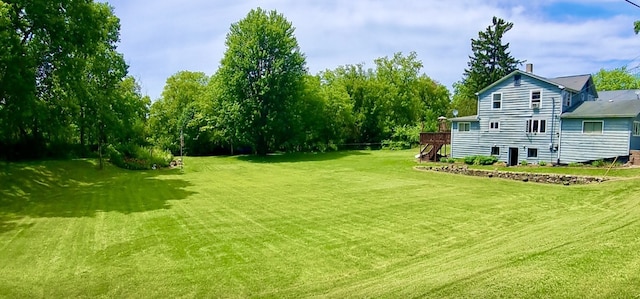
x,y
634,144
579,147
512,116
464,143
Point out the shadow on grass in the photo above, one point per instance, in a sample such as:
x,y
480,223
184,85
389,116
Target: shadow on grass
x,y
78,189
301,157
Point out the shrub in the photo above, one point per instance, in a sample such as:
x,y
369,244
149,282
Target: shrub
x,y
524,163
395,145
403,137
598,163
480,160
447,160
136,157
542,163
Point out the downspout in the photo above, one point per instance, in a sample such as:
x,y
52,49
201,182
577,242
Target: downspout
x,y
564,94
559,141
553,118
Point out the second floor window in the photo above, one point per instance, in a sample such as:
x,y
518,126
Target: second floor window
x,y
494,125
536,99
566,98
636,128
536,126
496,102
464,127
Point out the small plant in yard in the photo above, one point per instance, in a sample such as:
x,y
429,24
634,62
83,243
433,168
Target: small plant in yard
x,y
447,160
542,163
524,163
480,160
598,163
575,164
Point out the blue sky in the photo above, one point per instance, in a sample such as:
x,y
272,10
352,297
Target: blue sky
x,y
162,37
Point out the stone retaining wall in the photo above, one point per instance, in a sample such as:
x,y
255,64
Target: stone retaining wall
x,y
519,176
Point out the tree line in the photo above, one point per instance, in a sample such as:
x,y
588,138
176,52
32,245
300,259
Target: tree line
x,y
64,90
263,99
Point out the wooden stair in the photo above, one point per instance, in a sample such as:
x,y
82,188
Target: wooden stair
x,y
431,143
634,157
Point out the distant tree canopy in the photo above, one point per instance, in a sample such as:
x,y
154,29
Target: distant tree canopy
x,y
64,91
490,61
63,86
615,79
262,99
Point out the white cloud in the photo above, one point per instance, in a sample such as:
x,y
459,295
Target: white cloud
x,y
160,38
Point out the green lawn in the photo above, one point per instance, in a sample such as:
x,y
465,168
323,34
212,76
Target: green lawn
x,y
346,224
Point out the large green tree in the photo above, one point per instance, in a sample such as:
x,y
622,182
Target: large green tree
x,y
615,79
491,60
180,110
58,65
263,72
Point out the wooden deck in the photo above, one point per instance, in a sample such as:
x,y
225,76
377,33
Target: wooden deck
x,y
431,143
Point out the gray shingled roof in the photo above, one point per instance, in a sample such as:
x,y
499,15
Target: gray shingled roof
x,y
616,95
470,118
572,82
605,109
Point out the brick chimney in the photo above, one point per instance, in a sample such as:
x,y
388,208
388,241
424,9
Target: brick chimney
x,y
529,68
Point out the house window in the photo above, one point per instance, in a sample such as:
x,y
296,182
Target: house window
x,y
464,127
536,99
494,125
566,98
536,126
636,128
495,151
517,79
592,127
532,153
496,102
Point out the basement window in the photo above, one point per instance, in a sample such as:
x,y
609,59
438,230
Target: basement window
x,y
532,153
495,151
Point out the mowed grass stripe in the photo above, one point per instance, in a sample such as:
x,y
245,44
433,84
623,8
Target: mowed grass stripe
x,y
349,224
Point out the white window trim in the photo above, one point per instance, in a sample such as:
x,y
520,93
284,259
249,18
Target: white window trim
x,y
466,123
636,128
492,100
593,121
529,125
494,129
531,98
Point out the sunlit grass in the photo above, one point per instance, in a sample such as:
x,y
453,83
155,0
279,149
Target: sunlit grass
x,y
347,224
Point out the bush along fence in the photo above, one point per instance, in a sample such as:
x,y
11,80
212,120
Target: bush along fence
x,y
546,178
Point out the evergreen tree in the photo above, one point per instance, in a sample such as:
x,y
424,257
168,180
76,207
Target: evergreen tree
x,y
490,61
